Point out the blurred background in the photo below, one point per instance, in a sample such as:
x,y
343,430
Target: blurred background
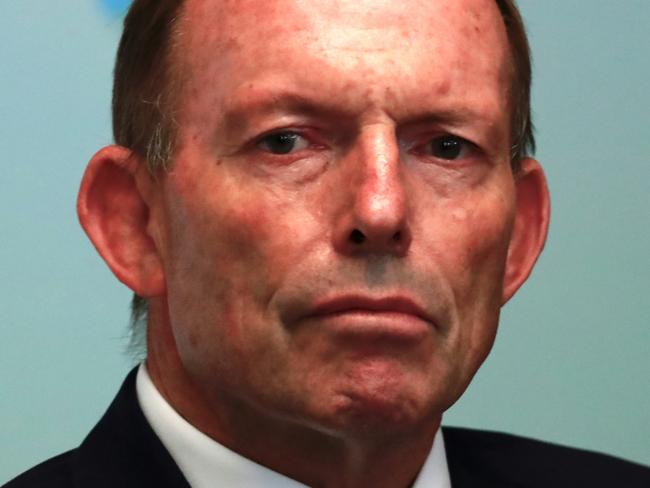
x,y
572,359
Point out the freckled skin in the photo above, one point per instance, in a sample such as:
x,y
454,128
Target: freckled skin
x,y
250,241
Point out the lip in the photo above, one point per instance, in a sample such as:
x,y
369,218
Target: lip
x,y
394,305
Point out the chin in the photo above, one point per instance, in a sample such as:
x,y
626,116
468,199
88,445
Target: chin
x,y
377,417
380,406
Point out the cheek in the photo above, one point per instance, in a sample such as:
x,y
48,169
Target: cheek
x,y
468,238
211,251
482,237
478,227
217,230
230,246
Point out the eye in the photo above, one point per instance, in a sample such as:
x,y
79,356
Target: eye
x,y
449,147
283,142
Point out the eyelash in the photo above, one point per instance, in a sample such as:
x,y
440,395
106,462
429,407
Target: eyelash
x,y
278,134
465,150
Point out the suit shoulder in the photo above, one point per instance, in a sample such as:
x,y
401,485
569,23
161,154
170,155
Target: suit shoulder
x,y
530,462
53,473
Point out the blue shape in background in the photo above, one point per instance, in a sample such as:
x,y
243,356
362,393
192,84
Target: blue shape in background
x,y
115,7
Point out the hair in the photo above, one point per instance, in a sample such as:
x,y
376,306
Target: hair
x,y
146,89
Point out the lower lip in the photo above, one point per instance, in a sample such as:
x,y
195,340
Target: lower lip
x,y
371,324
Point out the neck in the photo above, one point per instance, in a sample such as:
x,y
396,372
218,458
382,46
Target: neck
x,y
296,449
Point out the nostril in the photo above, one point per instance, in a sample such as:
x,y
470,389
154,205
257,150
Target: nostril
x,y
397,236
357,236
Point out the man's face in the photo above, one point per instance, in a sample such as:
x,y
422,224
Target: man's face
x,y
336,223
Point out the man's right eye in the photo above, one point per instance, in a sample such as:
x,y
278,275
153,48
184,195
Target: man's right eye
x,y
283,143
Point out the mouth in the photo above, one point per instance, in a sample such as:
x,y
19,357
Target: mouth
x,y
394,316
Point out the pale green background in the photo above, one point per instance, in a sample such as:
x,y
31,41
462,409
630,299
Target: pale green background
x,y
572,359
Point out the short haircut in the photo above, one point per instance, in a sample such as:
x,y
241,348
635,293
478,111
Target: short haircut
x,y
146,89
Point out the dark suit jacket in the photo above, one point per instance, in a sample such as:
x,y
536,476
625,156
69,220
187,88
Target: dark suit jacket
x,y
123,451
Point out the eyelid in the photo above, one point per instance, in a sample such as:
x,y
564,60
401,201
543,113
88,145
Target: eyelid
x,y
427,139
312,135
264,139
299,131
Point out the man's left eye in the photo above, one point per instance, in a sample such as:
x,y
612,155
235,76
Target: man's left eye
x,y
283,143
449,147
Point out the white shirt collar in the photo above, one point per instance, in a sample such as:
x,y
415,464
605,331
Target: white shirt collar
x,y
205,463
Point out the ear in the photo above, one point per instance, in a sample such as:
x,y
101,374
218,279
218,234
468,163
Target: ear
x,y
114,212
530,228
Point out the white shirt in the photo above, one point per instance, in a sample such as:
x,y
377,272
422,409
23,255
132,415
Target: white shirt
x,y
205,463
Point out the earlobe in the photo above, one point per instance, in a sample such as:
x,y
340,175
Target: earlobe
x,y
532,216
115,216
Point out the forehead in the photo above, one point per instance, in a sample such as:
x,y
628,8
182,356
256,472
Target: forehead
x,y
459,47
253,20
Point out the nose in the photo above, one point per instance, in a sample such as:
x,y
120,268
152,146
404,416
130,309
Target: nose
x,y
374,212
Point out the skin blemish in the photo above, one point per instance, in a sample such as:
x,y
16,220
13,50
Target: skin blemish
x,y
459,214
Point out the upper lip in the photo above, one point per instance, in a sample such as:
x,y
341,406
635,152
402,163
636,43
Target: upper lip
x,y
349,303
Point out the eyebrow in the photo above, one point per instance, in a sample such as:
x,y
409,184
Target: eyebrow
x,y
237,115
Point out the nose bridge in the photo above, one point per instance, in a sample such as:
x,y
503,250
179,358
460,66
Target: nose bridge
x,y
375,219
379,199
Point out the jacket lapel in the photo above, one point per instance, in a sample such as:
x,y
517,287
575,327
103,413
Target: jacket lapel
x,y
122,450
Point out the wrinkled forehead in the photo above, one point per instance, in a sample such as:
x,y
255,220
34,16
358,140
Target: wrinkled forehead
x,y
251,19
250,38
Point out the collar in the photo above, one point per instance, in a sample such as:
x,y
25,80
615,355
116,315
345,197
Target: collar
x,y
206,463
